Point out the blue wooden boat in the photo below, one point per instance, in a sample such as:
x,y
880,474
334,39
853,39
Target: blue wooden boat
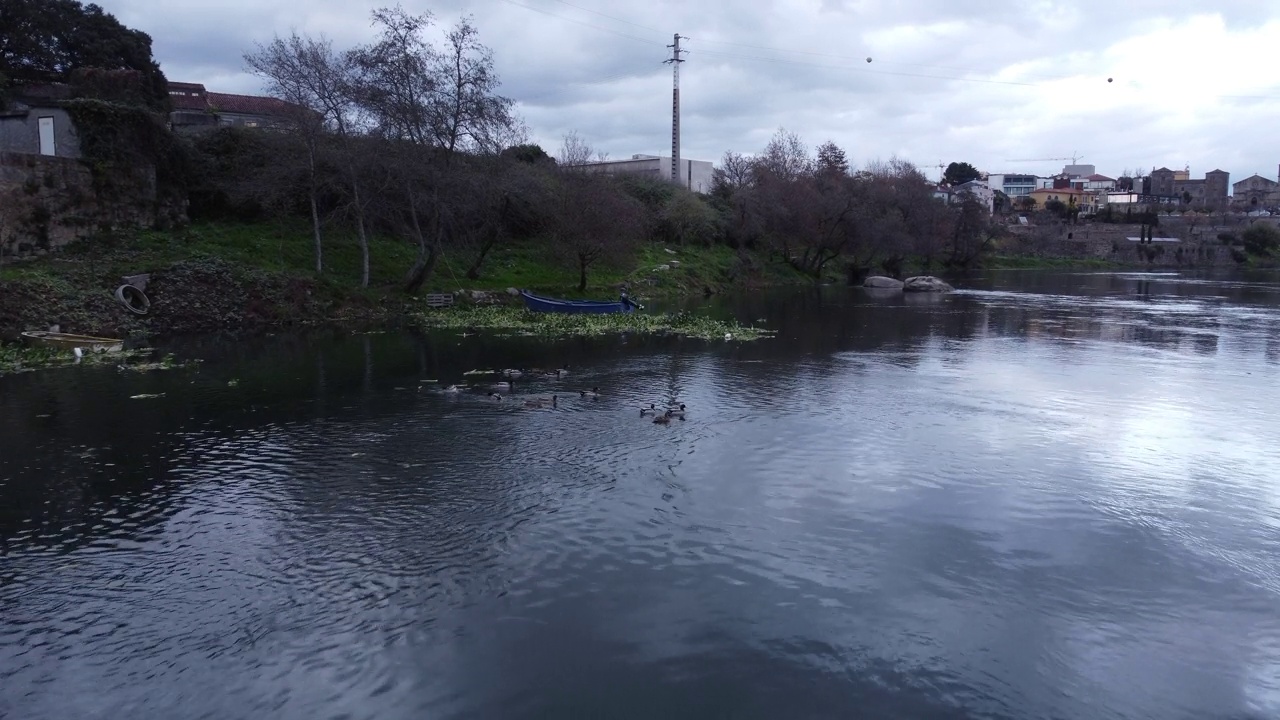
x,y
538,303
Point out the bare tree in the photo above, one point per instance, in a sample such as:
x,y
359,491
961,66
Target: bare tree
x,y
303,72
594,222
785,157
574,150
734,173
468,113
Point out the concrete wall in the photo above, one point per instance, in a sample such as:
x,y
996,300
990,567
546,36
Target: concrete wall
x,y
694,174
1197,246
20,132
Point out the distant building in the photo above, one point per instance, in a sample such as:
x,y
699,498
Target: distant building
x,y
1072,197
196,108
1099,182
978,189
694,174
35,123
1256,193
1014,185
1177,187
1079,170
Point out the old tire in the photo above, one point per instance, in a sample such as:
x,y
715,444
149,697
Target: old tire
x,y
133,299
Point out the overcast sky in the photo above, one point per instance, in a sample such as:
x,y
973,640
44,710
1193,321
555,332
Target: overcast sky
x,y
1194,83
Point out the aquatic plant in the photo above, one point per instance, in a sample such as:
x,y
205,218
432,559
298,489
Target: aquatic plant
x,y
21,358
522,322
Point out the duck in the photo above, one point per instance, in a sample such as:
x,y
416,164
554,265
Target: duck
x,y
677,411
663,419
594,393
454,389
537,403
651,410
495,396
500,385
512,373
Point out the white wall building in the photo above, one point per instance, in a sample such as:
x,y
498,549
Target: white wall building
x,y
1015,185
694,174
979,189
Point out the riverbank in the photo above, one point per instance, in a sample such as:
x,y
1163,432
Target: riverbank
x,y
242,277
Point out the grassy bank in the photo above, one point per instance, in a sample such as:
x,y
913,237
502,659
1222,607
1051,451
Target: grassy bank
x,y
214,277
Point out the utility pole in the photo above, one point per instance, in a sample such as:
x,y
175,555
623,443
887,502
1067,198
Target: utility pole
x,y
675,61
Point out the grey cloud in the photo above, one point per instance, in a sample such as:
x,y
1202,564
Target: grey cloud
x,y
922,97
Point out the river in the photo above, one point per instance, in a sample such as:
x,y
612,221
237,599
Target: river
x,y
1048,495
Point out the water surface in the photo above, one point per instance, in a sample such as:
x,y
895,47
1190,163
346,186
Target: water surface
x,y
1044,496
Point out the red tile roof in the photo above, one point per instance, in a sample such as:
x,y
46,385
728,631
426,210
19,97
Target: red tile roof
x,y
1095,177
248,104
194,97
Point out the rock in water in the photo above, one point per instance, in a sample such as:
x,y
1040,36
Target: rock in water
x,y
880,281
925,283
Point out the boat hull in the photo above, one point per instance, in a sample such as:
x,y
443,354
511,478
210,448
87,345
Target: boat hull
x,y
538,303
68,341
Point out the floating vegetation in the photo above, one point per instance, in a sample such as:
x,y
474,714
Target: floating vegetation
x,y
21,358
522,322
168,362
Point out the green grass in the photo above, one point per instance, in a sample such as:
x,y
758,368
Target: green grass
x,y
517,321
286,247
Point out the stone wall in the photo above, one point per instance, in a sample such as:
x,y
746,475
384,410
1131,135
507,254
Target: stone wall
x,y
49,202
1195,246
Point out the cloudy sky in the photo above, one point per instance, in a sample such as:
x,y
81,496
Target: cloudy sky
x,y
1195,83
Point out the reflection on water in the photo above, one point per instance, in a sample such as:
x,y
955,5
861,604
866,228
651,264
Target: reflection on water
x,y
1046,495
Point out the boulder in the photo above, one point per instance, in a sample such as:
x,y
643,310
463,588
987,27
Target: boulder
x,y
925,283
513,292
880,281
673,264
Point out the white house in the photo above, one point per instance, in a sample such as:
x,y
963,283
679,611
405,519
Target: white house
x,y
979,190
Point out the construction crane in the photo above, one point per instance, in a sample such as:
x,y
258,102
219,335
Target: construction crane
x,y
1073,159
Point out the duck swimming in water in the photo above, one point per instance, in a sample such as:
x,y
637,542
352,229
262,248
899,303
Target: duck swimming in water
x,y
651,410
664,418
495,396
677,411
594,393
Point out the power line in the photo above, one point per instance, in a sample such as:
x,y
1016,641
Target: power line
x,y
585,24
570,87
610,17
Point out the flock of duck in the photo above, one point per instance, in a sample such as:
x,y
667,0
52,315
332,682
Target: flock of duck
x,y
496,388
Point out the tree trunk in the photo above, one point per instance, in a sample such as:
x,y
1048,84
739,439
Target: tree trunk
x,y
364,250
427,257
582,274
315,226
360,232
421,270
315,210
473,272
